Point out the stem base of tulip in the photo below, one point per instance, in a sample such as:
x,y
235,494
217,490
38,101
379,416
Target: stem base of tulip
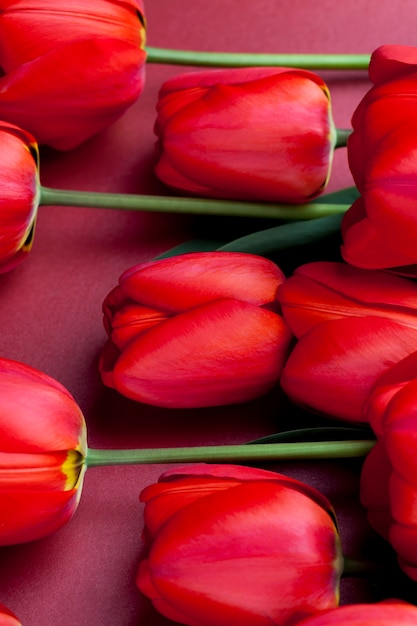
x,y
241,59
232,453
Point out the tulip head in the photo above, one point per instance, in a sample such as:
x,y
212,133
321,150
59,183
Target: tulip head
x,y
195,330
19,182
70,72
352,325
254,133
42,452
378,229
231,545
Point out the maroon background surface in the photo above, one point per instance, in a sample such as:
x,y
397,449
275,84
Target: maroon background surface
x,y
50,313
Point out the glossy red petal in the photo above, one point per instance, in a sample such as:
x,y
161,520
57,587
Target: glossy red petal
x,y
223,352
30,515
333,367
37,414
326,290
188,280
62,112
389,62
366,247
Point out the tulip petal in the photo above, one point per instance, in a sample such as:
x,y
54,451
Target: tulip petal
x,y
30,515
61,112
46,417
334,366
325,290
179,283
389,62
223,352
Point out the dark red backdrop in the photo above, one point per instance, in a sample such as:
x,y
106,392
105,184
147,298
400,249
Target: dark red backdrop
x,y
50,312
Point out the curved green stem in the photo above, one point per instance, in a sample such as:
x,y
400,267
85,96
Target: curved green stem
x,y
240,59
193,206
232,453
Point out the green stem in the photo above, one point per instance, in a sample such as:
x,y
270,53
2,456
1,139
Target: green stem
x,y
353,567
342,135
239,59
232,453
193,206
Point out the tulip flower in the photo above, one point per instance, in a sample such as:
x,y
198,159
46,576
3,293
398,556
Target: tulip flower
x,y
231,545
43,442
254,133
44,454
388,480
352,325
195,330
69,72
7,618
19,181
386,613
378,230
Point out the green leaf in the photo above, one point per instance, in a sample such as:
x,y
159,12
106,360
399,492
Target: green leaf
x,y
322,433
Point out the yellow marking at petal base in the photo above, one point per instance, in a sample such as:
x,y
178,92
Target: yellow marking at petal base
x,y
71,468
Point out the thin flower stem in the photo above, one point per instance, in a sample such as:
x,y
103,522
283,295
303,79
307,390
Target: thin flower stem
x,y
342,135
354,567
193,206
239,59
232,453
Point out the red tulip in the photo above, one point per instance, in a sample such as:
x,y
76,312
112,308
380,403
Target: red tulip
x,y
7,618
253,133
378,230
19,181
70,72
389,475
195,330
352,325
387,613
43,444
231,545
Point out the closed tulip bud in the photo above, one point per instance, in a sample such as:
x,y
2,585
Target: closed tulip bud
x,y
378,230
195,330
352,325
43,445
7,618
19,181
235,546
254,133
387,613
69,72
